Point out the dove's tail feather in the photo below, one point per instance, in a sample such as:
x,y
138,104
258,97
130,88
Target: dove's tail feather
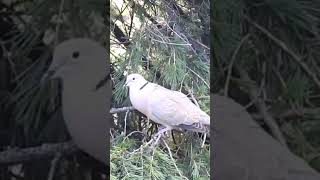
x,y
196,127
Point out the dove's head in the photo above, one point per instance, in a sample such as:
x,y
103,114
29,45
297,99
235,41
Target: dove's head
x,y
76,57
135,80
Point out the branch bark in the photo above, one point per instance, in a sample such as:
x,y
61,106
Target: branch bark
x,y
13,156
123,109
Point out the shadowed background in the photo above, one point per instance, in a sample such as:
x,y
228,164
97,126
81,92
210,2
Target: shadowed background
x,y
266,58
34,140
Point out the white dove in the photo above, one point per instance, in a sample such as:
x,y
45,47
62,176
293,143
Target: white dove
x,y
171,109
82,66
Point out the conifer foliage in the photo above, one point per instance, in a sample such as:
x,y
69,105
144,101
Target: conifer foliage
x,y
167,42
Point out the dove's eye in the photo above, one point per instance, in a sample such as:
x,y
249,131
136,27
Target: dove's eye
x,y
75,54
133,78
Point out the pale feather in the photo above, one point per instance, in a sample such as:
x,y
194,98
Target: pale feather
x,y
84,106
168,108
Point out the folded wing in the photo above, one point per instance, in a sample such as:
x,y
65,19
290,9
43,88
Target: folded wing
x,y
173,108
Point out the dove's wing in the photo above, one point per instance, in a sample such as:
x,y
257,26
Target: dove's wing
x,y
173,108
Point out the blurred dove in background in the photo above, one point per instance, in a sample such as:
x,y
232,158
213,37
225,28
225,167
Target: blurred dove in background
x,y
171,109
245,151
82,66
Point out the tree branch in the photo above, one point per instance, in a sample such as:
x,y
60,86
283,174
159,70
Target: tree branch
x,y
123,109
44,151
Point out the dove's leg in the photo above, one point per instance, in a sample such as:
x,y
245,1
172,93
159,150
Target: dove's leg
x,y
204,139
162,130
157,139
160,133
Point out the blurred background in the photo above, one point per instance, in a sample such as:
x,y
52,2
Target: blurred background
x,y
30,114
268,50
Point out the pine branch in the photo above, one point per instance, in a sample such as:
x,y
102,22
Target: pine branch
x,y
44,151
196,46
119,34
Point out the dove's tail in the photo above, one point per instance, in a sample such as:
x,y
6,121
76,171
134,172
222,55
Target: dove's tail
x,y
196,127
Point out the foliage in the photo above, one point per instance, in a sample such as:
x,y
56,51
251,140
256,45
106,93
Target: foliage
x,y
155,163
167,47
30,47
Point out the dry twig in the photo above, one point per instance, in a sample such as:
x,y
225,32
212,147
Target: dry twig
x,y
53,167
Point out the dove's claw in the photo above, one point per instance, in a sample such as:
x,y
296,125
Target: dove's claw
x,y
162,131
157,139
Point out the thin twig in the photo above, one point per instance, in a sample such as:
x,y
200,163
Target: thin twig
x,y
173,160
176,44
141,147
261,106
59,22
199,77
233,58
112,136
284,47
127,136
125,122
53,167
202,45
184,76
204,139
260,89
192,96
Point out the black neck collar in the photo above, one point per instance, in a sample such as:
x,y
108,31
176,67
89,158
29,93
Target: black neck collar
x,y
103,81
144,85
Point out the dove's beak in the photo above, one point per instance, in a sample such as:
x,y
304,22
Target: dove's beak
x,y
126,84
54,71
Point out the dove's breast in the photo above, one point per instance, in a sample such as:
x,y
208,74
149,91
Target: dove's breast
x,y
85,114
141,98
138,100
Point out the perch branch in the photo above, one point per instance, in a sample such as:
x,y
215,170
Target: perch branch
x,y
123,109
45,151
